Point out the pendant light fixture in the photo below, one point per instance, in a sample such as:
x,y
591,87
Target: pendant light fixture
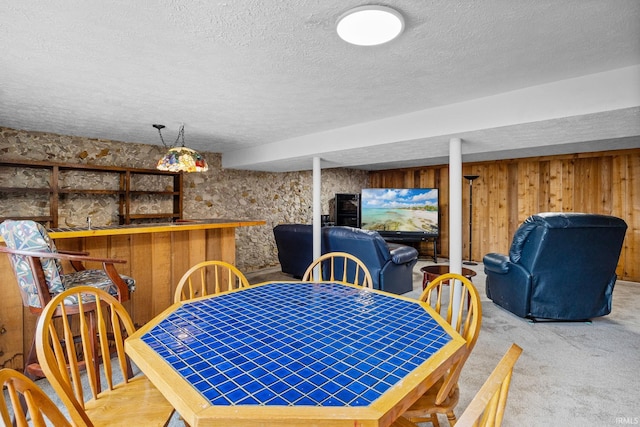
x,y
370,25
180,158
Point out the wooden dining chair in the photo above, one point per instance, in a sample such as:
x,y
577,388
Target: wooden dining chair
x,y
339,267
41,409
466,318
487,407
209,277
104,324
37,266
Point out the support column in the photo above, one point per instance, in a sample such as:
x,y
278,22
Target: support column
x,y
317,207
455,216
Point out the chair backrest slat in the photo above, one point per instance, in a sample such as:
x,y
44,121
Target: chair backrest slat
x,y
103,337
208,277
203,284
347,264
121,325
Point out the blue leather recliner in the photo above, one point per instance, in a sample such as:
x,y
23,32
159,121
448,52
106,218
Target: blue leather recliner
x,y
561,266
391,265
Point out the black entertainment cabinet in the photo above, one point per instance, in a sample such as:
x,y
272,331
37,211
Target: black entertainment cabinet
x,y
347,210
404,239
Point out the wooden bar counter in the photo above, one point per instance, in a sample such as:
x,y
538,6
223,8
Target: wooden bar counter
x,y
157,256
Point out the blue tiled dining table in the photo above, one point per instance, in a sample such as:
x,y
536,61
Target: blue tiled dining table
x,y
295,353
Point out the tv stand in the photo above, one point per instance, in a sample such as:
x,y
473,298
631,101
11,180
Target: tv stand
x,y
404,239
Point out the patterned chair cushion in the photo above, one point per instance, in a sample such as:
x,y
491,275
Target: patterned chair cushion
x,y
96,279
31,236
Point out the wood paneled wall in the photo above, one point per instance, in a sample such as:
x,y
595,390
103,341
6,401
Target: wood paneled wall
x,y
508,191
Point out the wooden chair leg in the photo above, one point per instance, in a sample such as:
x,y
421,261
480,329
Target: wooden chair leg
x,y
452,418
31,366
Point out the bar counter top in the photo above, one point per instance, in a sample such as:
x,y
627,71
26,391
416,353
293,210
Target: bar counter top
x,y
181,225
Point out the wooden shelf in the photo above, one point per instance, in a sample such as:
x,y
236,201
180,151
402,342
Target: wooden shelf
x,y
24,190
54,176
79,191
167,193
154,215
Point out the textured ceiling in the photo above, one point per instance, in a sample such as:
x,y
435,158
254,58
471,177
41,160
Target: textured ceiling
x,y
270,85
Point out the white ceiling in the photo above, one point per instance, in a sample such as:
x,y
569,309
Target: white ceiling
x,y
270,85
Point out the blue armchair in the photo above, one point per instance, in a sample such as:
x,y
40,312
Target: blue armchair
x,y
561,266
390,265
295,247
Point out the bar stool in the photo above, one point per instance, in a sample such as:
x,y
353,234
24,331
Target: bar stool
x,y
38,270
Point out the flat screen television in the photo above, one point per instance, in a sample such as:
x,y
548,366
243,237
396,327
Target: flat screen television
x,y
401,213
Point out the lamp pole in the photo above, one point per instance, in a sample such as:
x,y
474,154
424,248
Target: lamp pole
x,y
470,178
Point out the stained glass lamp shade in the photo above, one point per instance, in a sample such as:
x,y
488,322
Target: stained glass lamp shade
x,y
180,158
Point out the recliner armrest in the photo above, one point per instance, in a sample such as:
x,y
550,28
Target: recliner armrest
x,y
497,263
403,254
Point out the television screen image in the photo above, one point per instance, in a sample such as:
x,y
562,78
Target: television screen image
x,y
400,211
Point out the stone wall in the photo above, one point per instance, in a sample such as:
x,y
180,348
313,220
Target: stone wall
x,y
218,193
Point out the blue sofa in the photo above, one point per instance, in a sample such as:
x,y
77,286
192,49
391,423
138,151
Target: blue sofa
x,y
561,266
295,247
391,265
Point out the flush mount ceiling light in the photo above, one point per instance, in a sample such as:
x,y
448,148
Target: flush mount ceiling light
x,y
180,158
370,25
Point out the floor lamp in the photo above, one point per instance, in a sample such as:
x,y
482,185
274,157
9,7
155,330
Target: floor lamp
x,y
470,178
